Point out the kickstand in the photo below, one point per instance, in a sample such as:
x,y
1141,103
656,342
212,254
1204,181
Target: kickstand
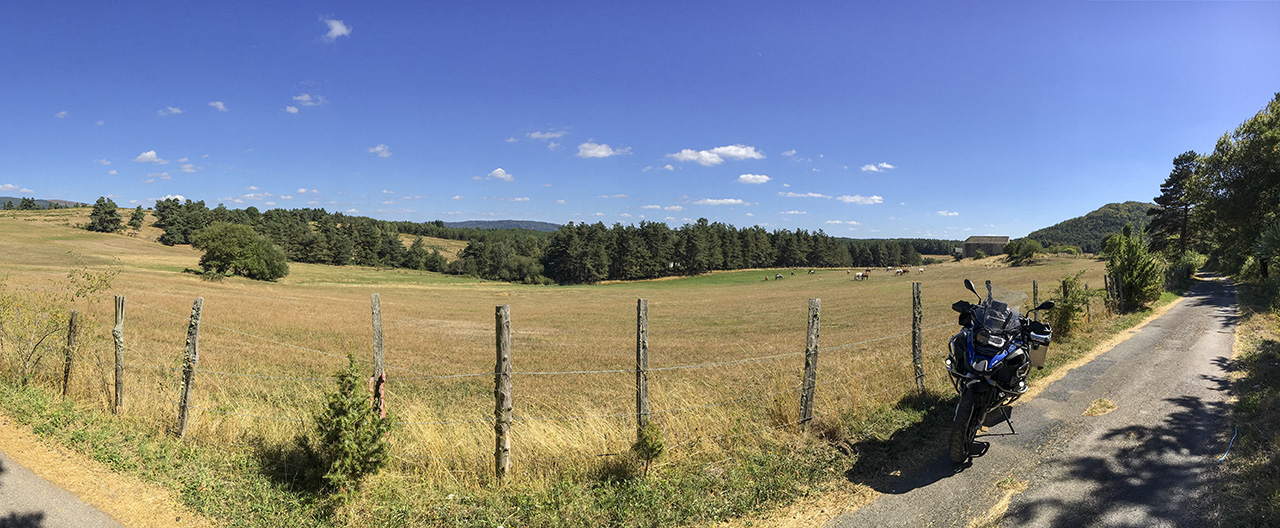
x,y
1008,418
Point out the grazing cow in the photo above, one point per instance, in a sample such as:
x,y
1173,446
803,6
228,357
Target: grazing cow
x,y
898,271
811,272
921,270
860,276
777,276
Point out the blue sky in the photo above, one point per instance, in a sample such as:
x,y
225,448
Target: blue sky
x,y
907,119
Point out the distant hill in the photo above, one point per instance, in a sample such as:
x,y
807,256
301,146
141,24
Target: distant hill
x,y
1088,231
43,204
504,224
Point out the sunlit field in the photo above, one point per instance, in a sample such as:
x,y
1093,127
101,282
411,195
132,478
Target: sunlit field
x,y
726,349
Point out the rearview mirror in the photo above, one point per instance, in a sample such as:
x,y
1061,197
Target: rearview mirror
x,y
1047,305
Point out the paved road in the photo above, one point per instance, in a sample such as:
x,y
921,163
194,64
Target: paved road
x,y
1148,463
28,501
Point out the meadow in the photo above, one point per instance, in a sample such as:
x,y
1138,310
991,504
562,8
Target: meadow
x,y
726,350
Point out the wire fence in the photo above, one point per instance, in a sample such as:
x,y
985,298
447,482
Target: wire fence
x,y
148,375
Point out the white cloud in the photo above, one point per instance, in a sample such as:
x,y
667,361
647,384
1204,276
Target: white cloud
x,y
352,211
553,146
885,166
667,167
850,222
550,134
512,139
381,150
188,167
717,155
270,204
336,29
458,197
753,178
286,197
218,105
606,196
879,167
948,213
112,172
793,212
161,175
150,157
790,194
102,161
561,202
791,152
183,160
169,110
308,100
177,197
720,201
651,207
499,174
302,191
676,208
291,109
9,187
521,199
600,150
625,215
385,191
860,199
100,122
61,115
251,188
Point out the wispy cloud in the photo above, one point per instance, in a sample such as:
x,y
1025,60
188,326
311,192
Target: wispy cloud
x,y
790,194
651,207
600,150
102,161
716,156
550,134
720,201
791,152
336,29
879,167
607,196
848,222
753,178
381,150
948,213
150,157
218,105
189,167
169,110
859,199
291,109
307,99
9,187
458,197
667,167
793,212
61,115
676,208
112,172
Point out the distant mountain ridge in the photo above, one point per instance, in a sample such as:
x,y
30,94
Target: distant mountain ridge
x,y
531,225
41,203
1089,231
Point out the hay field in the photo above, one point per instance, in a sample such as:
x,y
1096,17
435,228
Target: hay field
x,y
267,349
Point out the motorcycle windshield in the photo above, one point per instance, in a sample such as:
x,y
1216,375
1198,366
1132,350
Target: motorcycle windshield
x,y
1001,313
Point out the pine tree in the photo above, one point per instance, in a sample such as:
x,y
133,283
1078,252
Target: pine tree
x,y
104,218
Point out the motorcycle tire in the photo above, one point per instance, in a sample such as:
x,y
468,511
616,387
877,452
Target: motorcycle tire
x,y
964,427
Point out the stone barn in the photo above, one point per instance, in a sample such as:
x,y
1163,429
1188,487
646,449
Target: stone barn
x,y
988,245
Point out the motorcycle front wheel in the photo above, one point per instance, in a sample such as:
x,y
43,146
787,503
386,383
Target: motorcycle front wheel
x,y
965,426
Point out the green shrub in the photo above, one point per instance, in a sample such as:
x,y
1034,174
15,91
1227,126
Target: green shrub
x,y
1137,271
1070,305
240,250
1180,273
648,446
352,436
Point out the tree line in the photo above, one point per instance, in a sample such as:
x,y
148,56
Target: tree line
x,y
1225,205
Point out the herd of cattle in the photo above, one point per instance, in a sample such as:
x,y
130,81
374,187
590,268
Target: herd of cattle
x,y
859,276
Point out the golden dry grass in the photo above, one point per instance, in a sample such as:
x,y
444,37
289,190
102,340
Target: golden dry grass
x,y
448,249
435,325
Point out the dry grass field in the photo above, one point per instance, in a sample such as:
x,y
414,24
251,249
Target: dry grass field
x,y
268,350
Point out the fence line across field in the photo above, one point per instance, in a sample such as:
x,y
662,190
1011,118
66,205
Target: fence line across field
x,y
503,418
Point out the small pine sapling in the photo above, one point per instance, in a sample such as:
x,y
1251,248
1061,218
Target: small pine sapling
x,y
648,446
353,437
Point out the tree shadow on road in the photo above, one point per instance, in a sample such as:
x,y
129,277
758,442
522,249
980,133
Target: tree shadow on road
x,y
913,456
1164,471
20,520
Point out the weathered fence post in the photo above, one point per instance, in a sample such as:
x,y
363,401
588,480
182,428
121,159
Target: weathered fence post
x,y
988,292
73,332
189,364
1088,302
1106,285
810,365
917,335
117,333
642,366
378,381
502,394
1035,296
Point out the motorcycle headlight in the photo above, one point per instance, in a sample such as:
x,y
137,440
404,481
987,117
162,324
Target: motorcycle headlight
x,y
987,338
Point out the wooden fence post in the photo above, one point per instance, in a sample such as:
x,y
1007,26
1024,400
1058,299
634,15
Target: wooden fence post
x,y
117,333
1035,296
73,332
189,364
988,292
642,366
917,335
810,365
502,394
1088,302
378,381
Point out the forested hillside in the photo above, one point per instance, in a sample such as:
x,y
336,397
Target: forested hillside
x,y
1088,232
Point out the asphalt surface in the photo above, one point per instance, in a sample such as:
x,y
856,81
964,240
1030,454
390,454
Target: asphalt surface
x,y
28,501
1150,462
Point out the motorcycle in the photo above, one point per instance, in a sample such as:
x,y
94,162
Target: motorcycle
x,y
989,361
